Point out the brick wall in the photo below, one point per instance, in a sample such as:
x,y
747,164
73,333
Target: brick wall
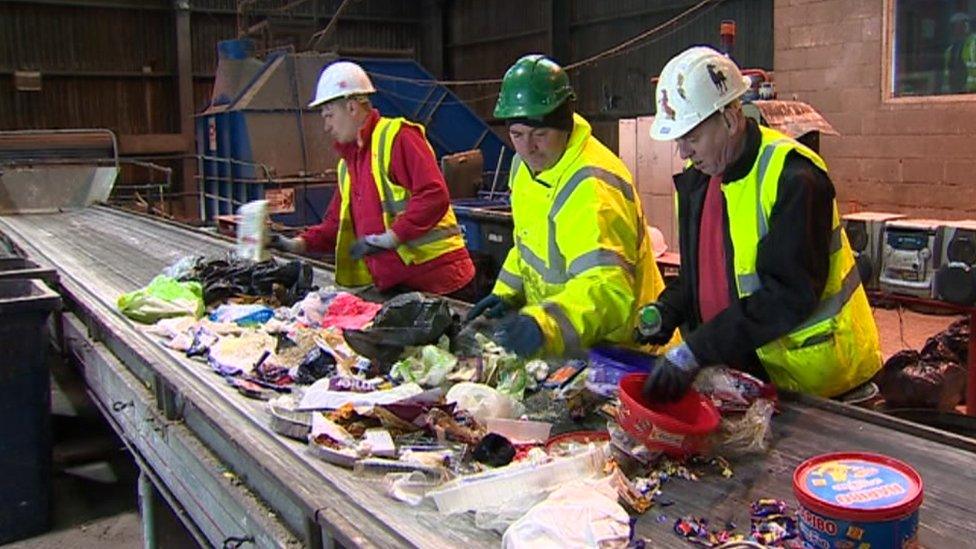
x,y
913,158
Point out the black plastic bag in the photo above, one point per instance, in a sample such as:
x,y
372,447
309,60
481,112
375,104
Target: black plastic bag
x,y
494,450
407,320
230,276
913,380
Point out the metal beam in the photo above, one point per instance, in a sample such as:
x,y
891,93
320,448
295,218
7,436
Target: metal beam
x,y
184,67
432,44
167,6
559,20
154,143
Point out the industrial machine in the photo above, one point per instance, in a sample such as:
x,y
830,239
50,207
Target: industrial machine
x,y
910,256
865,231
44,171
258,139
955,280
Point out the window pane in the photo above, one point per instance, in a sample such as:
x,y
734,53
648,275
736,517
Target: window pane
x,y
935,47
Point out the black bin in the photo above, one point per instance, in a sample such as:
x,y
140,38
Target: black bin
x,y
25,403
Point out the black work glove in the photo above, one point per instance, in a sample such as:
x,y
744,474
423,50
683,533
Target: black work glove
x,y
491,306
671,375
521,335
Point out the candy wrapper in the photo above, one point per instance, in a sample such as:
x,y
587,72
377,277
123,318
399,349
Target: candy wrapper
x,y
732,390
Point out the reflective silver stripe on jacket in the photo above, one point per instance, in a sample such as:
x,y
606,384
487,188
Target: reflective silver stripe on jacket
x,y
511,279
434,235
556,271
831,306
571,339
764,159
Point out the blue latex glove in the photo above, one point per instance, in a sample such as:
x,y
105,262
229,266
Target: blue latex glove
x,y
671,375
521,335
491,306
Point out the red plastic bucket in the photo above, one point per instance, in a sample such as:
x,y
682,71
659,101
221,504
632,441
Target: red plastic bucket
x,y
676,428
858,499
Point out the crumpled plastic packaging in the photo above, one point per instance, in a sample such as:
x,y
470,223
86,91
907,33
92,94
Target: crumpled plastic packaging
x,y
313,306
183,267
164,297
427,366
582,514
503,370
409,488
732,390
242,315
252,230
748,434
234,355
483,402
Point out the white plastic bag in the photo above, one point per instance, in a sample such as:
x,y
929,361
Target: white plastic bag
x,y
582,514
483,402
252,231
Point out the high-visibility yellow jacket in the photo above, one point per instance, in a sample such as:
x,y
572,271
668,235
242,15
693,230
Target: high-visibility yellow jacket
x,y
582,262
965,81
834,349
445,237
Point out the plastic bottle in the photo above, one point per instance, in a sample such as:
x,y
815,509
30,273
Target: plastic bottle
x,y
650,320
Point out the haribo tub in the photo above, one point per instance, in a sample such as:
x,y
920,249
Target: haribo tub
x,y
850,500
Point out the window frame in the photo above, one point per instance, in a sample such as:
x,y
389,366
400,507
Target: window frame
x,y
888,68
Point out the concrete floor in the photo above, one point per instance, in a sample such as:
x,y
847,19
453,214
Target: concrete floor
x,y
95,501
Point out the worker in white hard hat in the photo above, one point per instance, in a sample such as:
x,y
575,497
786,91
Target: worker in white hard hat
x,y
767,281
390,222
959,59
582,260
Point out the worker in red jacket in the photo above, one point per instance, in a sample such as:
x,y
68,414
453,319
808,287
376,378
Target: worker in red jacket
x,y
390,222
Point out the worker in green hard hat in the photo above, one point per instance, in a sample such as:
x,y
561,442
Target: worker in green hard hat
x,y
582,261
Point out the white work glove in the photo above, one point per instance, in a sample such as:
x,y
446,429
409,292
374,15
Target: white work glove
x,y
374,243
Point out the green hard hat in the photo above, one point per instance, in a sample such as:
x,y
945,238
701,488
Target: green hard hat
x,y
532,88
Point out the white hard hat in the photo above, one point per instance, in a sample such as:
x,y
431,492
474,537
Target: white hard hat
x,y
959,17
341,79
658,245
693,85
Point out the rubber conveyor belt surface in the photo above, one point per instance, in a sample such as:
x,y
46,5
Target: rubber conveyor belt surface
x,y
102,252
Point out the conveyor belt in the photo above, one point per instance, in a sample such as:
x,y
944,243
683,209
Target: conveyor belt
x,y
102,252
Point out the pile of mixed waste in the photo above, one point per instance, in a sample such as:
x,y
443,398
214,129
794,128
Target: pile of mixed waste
x,y
436,410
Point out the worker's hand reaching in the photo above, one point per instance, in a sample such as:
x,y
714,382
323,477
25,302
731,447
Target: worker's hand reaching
x,y
280,242
671,375
491,306
520,335
374,243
